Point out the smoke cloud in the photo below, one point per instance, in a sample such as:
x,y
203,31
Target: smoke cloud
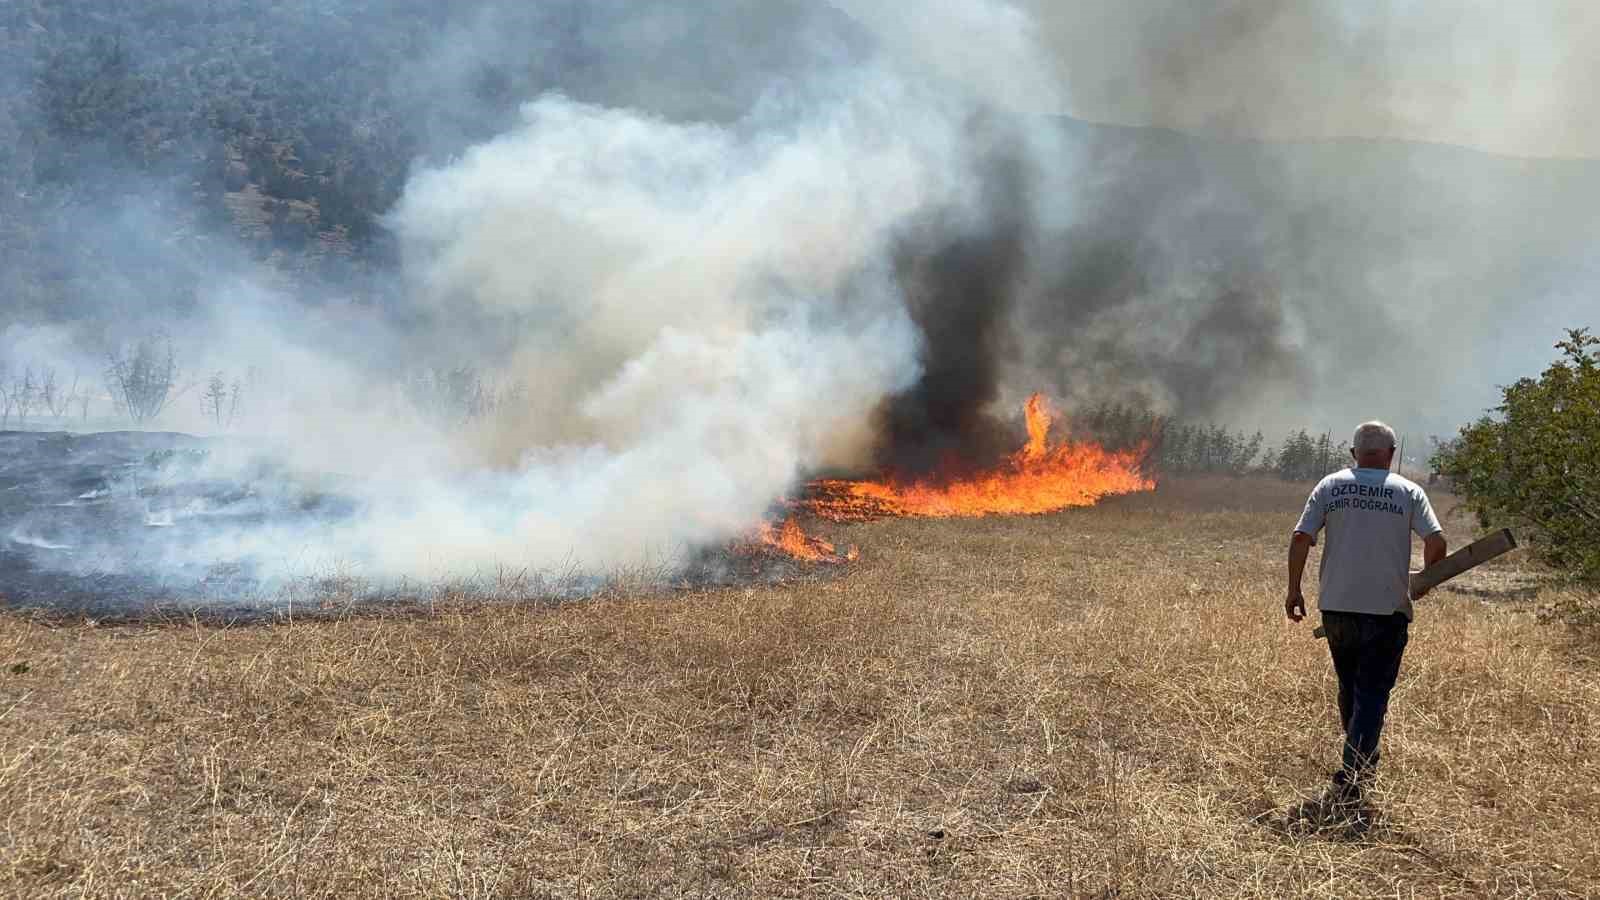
x,y
695,313
652,264
1503,79
1297,262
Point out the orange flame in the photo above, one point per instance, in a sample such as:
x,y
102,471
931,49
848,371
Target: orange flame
x,y
1038,417
792,540
1036,479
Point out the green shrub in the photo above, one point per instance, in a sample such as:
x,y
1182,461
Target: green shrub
x,y
1536,461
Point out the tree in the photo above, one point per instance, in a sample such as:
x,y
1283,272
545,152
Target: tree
x,y
214,401
1249,450
6,403
1175,449
89,94
1327,458
1222,447
1297,460
19,394
221,400
1535,461
56,400
142,378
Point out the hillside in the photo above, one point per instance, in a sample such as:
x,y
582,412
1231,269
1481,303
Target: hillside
x,y
147,151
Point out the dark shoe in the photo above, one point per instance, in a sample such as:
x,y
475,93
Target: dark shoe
x,y
1342,807
1347,789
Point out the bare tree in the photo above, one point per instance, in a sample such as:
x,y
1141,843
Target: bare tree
x,y
63,402
6,403
143,378
47,389
22,395
215,399
220,400
52,397
460,395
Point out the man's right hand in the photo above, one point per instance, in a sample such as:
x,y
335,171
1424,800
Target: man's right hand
x,y
1294,605
1419,594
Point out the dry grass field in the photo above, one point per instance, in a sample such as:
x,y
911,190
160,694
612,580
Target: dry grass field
x,y
1104,702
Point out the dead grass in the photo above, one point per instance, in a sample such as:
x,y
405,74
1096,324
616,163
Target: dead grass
x,y
1105,702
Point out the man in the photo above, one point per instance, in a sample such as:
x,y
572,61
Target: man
x,y
1365,599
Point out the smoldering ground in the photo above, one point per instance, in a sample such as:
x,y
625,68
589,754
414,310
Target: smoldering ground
x,y
705,251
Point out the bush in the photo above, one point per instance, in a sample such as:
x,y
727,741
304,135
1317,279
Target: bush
x,y
1537,463
142,378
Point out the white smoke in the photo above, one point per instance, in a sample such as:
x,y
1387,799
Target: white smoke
x,y
700,314
708,315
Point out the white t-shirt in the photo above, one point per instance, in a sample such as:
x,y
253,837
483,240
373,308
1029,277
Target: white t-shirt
x,y
1370,515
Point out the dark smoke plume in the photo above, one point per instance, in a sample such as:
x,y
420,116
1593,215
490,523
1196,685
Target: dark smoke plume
x,y
961,281
1167,288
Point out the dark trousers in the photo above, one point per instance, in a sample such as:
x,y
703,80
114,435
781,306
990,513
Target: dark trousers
x,y
1366,657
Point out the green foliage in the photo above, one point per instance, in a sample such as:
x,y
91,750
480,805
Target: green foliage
x,y
1206,449
1536,463
1306,458
1119,426
92,90
1177,448
296,104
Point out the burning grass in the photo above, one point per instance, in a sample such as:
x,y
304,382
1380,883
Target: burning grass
x,y
791,540
1100,702
1039,477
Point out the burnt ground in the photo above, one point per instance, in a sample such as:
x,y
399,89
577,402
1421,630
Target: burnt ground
x,y
110,523
124,525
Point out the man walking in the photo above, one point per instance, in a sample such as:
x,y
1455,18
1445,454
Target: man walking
x,y
1365,599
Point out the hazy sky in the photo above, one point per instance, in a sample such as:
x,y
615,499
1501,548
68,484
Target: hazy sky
x,y
1507,77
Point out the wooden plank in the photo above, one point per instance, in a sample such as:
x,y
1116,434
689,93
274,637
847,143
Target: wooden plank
x,y
1472,555
1469,557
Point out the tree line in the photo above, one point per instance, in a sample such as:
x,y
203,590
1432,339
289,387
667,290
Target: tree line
x,y
139,380
1175,447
